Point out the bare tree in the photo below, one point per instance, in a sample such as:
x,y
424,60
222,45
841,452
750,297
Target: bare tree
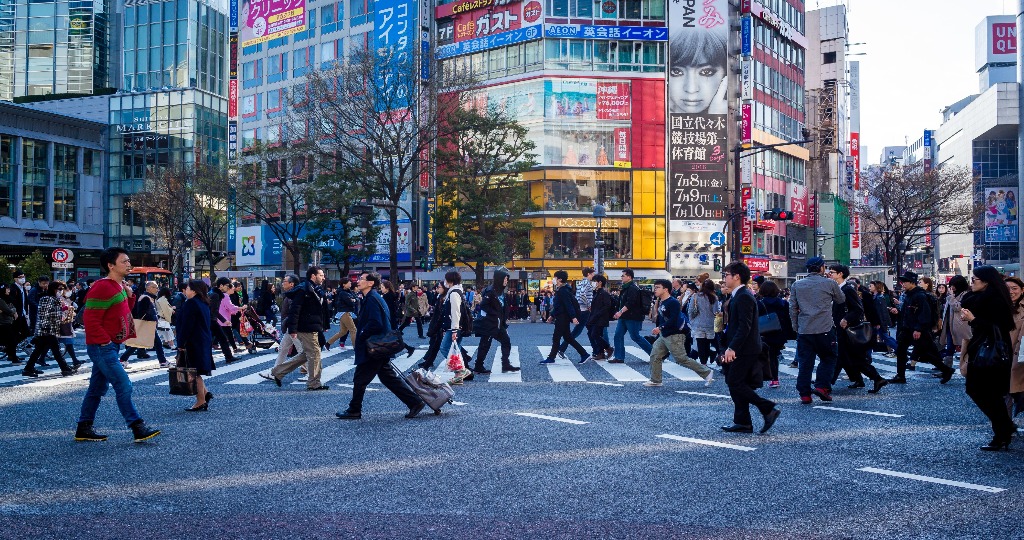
x,y
275,188
209,195
163,204
906,204
376,118
480,189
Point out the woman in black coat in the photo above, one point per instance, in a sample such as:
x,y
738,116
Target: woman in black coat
x,y
391,297
194,336
990,313
600,315
776,340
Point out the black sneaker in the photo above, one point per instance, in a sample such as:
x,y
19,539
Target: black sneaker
x,y
142,432
85,433
509,369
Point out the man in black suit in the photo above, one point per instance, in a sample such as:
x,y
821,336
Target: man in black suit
x,y
564,310
741,362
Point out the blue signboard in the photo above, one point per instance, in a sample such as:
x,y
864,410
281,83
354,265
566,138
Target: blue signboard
x,y
234,16
511,37
394,28
717,238
425,57
746,36
591,31
927,138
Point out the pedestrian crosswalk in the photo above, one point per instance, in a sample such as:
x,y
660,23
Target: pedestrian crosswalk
x,y
339,366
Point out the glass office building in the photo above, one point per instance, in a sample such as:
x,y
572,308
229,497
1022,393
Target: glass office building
x,y
56,47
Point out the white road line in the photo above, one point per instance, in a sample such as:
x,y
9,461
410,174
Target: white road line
x,y
954,483
702,394
554,418
346,385
459,403
561,370
708,443
668,366
606,383
873,413
513,359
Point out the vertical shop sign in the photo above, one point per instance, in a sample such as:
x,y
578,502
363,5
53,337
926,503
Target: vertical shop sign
x,y
747,92
232,142
855,154
747,231
233,56
395,30
698,145
748,123
622,143
855,253
233,98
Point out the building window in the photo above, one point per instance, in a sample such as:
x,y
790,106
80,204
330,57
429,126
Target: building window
x,y
36,178
829,58
357,11
65,185
7,176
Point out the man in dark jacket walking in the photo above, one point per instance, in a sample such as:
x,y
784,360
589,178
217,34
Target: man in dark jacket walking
x,y
493,326
600,314
307,313
564,310
915,328
374,320
853,357
741,362
630,315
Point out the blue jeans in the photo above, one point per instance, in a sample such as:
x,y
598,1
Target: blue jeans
x,y
107,371
446,345
807,347
633,327
883,332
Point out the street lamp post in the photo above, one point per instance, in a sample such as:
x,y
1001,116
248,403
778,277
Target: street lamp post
x,y
599,213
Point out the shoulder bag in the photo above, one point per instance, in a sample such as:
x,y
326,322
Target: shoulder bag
x,y
992,353
769,322
182,379
386,344
860,334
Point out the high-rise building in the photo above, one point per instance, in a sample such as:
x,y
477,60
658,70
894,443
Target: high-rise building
x,y
172,108
58,47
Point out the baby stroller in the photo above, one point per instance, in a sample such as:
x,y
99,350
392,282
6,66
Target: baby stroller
x,y
257,334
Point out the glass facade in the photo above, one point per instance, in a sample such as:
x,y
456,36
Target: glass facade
x,y
150,132
54,47
35,179
175,44
65,182
996,227
8,176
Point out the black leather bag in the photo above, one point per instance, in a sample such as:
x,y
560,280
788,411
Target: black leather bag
x,y
181,378
860,334
387,344
993,352
768,323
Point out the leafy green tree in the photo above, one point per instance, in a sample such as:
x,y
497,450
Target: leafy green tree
x,y
481,195
35,265
6,271
340,235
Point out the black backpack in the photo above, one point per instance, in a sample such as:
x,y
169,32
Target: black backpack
x,y
646,300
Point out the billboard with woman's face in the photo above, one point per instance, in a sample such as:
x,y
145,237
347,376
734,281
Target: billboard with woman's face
x,y
696,104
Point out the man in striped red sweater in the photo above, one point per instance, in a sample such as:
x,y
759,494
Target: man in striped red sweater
x,y
108,323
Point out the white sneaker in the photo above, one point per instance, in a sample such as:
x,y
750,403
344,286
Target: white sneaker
x,y
652,383
709,379
587,359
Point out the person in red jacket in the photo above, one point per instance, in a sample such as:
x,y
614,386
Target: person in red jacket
x,y
108,324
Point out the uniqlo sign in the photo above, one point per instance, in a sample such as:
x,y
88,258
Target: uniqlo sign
x,y
1004,38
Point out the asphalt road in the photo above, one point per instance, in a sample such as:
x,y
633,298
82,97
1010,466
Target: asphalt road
x,y
562,451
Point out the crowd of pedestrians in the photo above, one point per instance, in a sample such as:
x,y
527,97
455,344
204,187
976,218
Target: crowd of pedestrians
x,y
738,326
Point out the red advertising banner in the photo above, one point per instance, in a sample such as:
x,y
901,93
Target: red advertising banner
x,y
757,264
855,154
622,143
233,98
613,101
746,232
748,122
1004,38
496,20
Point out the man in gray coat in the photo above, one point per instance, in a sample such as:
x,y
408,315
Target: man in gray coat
x,y
810,308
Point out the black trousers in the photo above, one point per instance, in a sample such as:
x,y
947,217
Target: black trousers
x,y
220,335
704,349
597,341
561,332
990,401
855,359
419,325
583,318
485,347
389,376
743,375
9,339
44,344
924,351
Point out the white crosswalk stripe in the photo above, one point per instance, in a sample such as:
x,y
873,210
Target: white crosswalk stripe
x,y
668,366
513,359
561,370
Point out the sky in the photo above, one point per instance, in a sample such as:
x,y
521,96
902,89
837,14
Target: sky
x,y
919,59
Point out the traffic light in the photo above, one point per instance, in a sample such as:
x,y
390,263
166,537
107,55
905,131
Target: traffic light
x,y
777,214
718,264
